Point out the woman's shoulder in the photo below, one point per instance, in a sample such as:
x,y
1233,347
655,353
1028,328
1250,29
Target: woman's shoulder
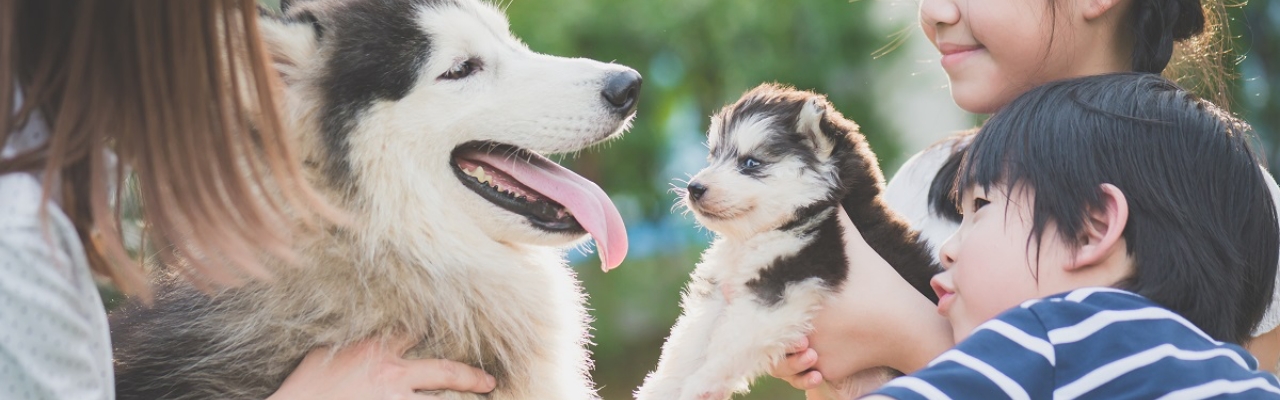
x,y
20,206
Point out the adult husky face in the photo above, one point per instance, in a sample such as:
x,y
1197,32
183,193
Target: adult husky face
x,y
437,109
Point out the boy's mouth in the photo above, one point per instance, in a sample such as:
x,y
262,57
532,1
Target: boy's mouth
x,y
944,303
946,296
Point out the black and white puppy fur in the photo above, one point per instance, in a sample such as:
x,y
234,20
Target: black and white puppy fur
x,y
424,120
781,163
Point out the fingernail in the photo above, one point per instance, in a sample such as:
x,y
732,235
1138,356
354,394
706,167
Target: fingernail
x,y
809,356
814,380
488,380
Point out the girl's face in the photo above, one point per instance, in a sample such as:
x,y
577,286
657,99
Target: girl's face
x,y
993,50
990,261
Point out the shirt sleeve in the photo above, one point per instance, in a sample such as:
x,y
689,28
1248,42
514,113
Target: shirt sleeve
x,y
53,339
1008,357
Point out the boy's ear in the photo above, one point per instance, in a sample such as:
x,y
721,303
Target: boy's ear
x,y
1093,9
1103,229
809,124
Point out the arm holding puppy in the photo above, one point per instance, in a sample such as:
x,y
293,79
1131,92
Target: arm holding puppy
x,y
876,320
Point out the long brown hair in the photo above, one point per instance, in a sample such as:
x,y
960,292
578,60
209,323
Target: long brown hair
x,y
183,93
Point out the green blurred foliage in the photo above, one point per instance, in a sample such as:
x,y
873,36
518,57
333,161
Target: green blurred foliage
x,y
1255,27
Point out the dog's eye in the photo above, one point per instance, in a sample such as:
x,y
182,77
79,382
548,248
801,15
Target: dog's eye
x,y
749,163
462,69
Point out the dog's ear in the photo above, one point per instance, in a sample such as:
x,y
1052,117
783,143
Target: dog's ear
x,y
292,41
809,124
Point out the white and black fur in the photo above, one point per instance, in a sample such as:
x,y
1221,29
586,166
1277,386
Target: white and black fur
x,y
781,163
385,97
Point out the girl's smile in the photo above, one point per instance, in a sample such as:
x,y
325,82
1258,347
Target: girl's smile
x,y
954,54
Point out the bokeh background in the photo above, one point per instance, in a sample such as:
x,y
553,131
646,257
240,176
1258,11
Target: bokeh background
x,y
868,56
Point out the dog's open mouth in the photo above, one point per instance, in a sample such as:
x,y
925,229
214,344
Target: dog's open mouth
x,y
552,197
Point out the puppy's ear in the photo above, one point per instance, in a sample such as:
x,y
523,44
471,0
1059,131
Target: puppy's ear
x,y
809,124
293,42
715,130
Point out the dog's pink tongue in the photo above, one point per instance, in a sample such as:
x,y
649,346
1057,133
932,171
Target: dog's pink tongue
x,y
589,204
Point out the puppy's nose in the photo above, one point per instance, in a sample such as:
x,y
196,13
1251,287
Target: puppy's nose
x,y
696,190
622,89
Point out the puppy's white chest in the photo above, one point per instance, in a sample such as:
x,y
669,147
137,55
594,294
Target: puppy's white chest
x,y
729,264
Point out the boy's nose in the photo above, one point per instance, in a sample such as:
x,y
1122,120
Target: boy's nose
x,y
947,253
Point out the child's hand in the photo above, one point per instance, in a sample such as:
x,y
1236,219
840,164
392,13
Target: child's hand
x,y
796,368
377,370
877,319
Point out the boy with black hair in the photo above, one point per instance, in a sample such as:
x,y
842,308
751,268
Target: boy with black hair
x,y
1118,240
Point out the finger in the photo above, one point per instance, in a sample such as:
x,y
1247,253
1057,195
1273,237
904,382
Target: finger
x,y
795,364
808,381
799,346
447,375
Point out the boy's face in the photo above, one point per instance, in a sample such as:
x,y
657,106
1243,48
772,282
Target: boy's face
x,y
991,262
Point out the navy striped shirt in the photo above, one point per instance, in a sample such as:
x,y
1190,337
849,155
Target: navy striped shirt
x,y
1094,343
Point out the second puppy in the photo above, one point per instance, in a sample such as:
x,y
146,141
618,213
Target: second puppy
x,y
781,163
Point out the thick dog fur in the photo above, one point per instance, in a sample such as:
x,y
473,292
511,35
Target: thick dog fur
x,y
382,93
782,161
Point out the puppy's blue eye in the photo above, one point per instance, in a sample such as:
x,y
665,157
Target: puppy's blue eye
x,y
750,163
462,69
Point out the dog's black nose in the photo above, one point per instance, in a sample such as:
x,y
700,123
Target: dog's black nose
x,y
696,190
622,89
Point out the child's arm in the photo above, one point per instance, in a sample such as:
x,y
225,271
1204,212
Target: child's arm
x,y
1008,357
876,320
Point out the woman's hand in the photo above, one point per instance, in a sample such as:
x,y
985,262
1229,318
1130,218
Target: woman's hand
x,y
376,369
876,320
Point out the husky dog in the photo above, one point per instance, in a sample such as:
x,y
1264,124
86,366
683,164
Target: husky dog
x,y
782,161
424,121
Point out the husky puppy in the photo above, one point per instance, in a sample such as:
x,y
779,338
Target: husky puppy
x,y
424,120
782,161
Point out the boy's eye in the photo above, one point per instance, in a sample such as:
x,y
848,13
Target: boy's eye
x,y
979,202
749,163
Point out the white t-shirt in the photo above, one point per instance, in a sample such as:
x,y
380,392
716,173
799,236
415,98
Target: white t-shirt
x,y
54,341
908,194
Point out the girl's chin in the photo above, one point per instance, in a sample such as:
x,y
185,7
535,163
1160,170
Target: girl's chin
x,y
976,98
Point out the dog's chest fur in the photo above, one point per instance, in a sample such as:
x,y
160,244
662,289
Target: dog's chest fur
x,y
260,332
763,265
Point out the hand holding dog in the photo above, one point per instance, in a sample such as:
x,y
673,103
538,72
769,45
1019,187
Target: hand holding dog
x,y
377,370
876,320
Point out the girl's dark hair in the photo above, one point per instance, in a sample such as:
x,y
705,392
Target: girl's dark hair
x,y
1157,25
1202,227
